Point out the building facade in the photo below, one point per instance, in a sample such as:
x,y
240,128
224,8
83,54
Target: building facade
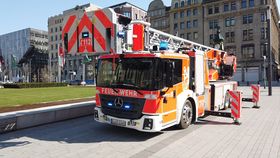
x,y
73,68
186,19
158,15
130,10
15,45
243,24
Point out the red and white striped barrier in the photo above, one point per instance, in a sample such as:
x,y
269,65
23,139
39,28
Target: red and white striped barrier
x,y
256,94
236,100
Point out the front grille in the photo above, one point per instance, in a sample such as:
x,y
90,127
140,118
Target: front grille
x,y
135,112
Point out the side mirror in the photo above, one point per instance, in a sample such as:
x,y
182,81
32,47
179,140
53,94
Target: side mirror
x,y
169,74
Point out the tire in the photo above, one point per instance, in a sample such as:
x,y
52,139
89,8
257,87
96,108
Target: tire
x,y
187,115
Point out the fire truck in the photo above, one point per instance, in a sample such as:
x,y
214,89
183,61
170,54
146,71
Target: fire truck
x,y
148,80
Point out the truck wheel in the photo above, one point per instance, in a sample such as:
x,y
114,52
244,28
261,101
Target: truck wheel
x,y
187,115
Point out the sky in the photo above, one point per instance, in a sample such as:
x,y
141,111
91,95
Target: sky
x,y
21,14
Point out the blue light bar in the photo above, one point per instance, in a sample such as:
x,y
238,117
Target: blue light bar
x,y
163,45
127,106
110,104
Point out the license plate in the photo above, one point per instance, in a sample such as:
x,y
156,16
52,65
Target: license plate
x,y
118,122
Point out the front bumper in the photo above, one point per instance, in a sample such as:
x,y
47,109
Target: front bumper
x,y
145,123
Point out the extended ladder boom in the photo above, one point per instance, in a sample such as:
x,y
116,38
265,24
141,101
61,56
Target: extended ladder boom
x,y
155,37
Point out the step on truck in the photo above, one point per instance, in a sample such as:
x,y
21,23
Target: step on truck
x,y
147,80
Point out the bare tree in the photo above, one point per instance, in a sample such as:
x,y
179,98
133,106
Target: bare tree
x,y
45,77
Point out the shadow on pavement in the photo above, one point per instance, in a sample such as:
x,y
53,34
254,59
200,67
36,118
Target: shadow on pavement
x,y
213,122
12,144
82,130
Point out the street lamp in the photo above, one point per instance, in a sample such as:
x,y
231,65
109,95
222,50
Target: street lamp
x,y
269,51
264,72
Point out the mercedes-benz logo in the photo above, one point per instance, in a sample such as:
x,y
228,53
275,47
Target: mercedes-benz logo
x,y
118,102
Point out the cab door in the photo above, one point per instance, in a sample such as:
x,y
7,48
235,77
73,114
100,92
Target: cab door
x,y
172,68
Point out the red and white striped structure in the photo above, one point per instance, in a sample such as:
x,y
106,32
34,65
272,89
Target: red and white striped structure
x,y
256,93
235,103
91,32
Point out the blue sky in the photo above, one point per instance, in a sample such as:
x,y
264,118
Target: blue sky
x,y
21,14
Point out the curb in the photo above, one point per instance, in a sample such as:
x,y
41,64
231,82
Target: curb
x,y
12,121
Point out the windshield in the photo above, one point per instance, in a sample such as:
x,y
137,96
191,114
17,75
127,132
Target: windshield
x,y
131,73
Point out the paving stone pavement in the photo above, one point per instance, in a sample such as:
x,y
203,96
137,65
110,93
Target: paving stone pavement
x,y
257,136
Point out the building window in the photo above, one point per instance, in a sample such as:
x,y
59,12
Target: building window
x,y
175,26
229,21
56,46
195,11
60,28
127,14
211,39
195,23
175,15
176,5
188,24
51,38
233,6
51,30
217,9
243,3
51,47
182,25
55,37
164,23
263,49
195,35
251,3
248,35
195,1
182,35
263,16
226,7
263,2
56,29
188,12
210,10
230,37
213,24
248,51
182,3
156,24
189,2
230,49
248,19
264,33
189,36
182,14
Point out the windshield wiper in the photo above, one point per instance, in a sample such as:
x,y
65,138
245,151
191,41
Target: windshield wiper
x,y
113,86
129,85
133,86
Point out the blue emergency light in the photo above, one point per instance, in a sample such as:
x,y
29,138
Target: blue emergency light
x,y
110,104
163,45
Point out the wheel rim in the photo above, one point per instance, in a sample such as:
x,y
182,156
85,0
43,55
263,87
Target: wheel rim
x,y
187,114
